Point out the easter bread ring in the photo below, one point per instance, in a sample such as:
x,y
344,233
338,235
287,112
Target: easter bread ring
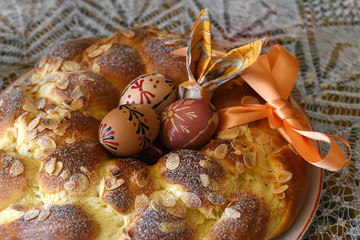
x,y
57,182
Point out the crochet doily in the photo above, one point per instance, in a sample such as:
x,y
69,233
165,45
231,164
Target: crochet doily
x,y
323,35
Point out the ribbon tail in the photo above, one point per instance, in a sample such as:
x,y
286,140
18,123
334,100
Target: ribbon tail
x,y
335,159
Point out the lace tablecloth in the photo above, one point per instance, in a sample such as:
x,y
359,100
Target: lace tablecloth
x,y
323,35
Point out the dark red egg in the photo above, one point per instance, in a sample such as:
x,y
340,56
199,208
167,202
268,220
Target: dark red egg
x,y
188,123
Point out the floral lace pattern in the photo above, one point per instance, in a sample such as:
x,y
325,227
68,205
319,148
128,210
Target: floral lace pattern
x,y
323,35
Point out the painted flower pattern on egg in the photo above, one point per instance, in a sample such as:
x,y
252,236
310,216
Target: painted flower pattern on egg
x,y
128,129
153,89
188,123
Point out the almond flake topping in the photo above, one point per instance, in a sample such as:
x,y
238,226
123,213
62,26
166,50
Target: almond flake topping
x,y
173,161
205,180
232,213
70,66
205,163
239,167
230,133
58,168
221,151
284,177
63,84
31,214
95,68
1,102
17,168
169,227
65,174
128,33
191,200
113,183
45,213
237,145
96,53
178,212
102,187
142,178
50,166
280,189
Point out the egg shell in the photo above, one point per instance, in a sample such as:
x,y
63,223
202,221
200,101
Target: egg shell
x,y
188,123
128,129
154,89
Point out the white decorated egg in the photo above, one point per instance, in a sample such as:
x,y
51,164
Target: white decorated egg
x,y
155,90
128,129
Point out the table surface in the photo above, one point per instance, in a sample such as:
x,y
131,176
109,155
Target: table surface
x,y
323,35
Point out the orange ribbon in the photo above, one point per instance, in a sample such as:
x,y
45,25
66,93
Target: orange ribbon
x,y
272,76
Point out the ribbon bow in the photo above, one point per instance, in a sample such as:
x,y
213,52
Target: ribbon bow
x,y
205,77
272,76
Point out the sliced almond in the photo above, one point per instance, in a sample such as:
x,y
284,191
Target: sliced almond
x,y
178,212
280,189
250,159
70,140
105,47
232,213
96,53
172,42
102,187
64,114
81,182
280,196
230,133
57,64
76,93
221,151
275,142
45,213
209,153
216,198
70,66
169,227
69,185
240,167
237,145
58,169
63,84
92,48
1,102
114,170
191,200
205,163
45,142
31,214
16,169
18,207
142,178
50,166
95,68
65,174
173,161
263,138
271,177
141,203
128,33
168,202
29,107
284,176
113,183
205,180
31,135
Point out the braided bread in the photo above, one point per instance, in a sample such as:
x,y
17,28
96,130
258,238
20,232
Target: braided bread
x,y
57,182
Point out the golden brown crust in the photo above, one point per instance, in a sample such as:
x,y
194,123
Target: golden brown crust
x,y
13,184
157,54
121,63
51,222
133,178
11,108
70,49
245,219
198,175
75,162
160,224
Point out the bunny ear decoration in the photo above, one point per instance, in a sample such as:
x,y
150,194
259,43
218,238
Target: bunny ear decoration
x,y
203,78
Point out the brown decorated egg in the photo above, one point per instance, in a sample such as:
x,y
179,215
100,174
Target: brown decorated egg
x,y
128,129
154,90
188,123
